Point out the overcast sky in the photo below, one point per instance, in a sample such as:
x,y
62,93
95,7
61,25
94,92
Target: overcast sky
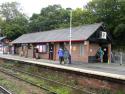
x,y
34,6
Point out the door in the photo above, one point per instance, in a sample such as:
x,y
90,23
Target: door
x,y
105,56
61,45
51,51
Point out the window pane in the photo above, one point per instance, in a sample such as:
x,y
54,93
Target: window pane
x,y
44,48
40,48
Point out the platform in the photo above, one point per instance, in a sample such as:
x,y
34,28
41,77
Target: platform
x,y
111,70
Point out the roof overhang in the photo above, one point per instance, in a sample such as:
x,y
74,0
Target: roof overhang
x,y
51,41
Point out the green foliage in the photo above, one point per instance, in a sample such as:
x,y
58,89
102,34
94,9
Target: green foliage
x,y
120,92
10,10
50,17
15,27
61,90
11,86
120,31
14,23
105,10
54,16
119,34
112,13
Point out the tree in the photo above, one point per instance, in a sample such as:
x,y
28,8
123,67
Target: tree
x,y
10,10
55,16
119,33
104,10
82,16
112,13
13,23
51,17
15,28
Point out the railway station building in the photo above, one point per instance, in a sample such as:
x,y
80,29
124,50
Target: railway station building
x,y
4,44
86,41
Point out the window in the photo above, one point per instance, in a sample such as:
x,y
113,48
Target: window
x,y
81,49
42,48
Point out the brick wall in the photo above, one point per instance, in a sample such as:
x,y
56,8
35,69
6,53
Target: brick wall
x,y
109,52
93,47
44,55
88,49
55,53
76,51
30,53
56,46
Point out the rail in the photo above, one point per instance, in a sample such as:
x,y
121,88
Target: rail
x,y
4,91
43,78
10,74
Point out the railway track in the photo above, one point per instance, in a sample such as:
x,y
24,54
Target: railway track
x,y
13,75
4,91
43,78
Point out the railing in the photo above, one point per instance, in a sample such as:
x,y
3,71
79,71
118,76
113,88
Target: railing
x,y
118,57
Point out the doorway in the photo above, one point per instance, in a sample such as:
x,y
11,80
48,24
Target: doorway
x,y
105,56
62,45
51,51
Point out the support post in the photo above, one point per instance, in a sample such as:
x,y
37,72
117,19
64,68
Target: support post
x,y
120,58
70,35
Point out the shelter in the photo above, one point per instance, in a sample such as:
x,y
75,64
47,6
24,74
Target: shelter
x,y
86,40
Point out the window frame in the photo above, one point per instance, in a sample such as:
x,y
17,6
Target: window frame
x,y
42,48
81,50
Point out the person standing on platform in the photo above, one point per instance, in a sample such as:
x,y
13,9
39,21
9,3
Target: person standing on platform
x,y
101,55
61,55
66,56
70,62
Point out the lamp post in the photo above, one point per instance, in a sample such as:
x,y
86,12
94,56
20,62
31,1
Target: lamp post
x,y
70,34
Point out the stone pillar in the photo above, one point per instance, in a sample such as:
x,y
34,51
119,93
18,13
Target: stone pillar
x,y
86,50
57,48
54,51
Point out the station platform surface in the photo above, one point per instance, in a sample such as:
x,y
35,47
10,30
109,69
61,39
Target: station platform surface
x,y
112,70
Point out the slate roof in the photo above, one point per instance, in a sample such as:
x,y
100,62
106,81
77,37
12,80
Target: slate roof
x,y
78,34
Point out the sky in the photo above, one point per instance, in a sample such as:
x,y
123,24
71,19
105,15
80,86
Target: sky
x,y
34,6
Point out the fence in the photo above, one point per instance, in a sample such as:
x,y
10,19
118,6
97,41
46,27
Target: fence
x,y
118,57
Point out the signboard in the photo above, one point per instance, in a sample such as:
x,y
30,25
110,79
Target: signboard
x,y
103,35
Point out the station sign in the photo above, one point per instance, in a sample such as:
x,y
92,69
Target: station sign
x,y
103,35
